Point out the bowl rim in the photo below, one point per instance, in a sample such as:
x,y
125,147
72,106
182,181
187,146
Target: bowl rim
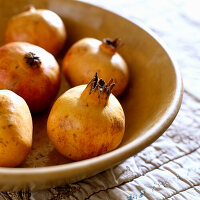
x,y
125,151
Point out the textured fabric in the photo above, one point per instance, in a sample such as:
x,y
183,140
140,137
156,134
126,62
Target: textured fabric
x,y
170,167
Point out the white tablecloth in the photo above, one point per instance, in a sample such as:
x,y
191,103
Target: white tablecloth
x,y
170,167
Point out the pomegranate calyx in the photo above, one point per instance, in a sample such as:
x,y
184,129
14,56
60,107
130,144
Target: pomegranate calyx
x,y
32,59
101,86
114,44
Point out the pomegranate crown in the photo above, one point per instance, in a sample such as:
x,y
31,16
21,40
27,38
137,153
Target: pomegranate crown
x,y
99,85
32,59
113,44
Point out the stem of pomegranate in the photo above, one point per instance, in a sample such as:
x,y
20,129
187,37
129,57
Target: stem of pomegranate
x,y
97,91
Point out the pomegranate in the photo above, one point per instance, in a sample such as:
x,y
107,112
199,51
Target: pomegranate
x,y
41,27
88,56
31,72
86,121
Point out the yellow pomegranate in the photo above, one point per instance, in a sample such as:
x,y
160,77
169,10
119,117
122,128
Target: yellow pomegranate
x,y
15,129
90,55
41,27
86,121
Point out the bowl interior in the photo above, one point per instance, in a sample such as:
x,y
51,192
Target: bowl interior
x,y
154,82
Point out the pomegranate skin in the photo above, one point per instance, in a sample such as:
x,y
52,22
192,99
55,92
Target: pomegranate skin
x,y
16,129
86,121
41,27
88,56
37,83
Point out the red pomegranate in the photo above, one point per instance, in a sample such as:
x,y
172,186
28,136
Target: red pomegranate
x,y
31,72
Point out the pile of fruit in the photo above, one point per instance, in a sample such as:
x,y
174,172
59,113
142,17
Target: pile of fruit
x,y
84,122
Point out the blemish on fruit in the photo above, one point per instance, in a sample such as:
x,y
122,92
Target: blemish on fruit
x,y
65,124
4,127
119,125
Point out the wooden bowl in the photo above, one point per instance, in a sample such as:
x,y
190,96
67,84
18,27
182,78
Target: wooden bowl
x,y
151,101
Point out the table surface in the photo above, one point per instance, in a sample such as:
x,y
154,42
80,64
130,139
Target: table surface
x,y
170,167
